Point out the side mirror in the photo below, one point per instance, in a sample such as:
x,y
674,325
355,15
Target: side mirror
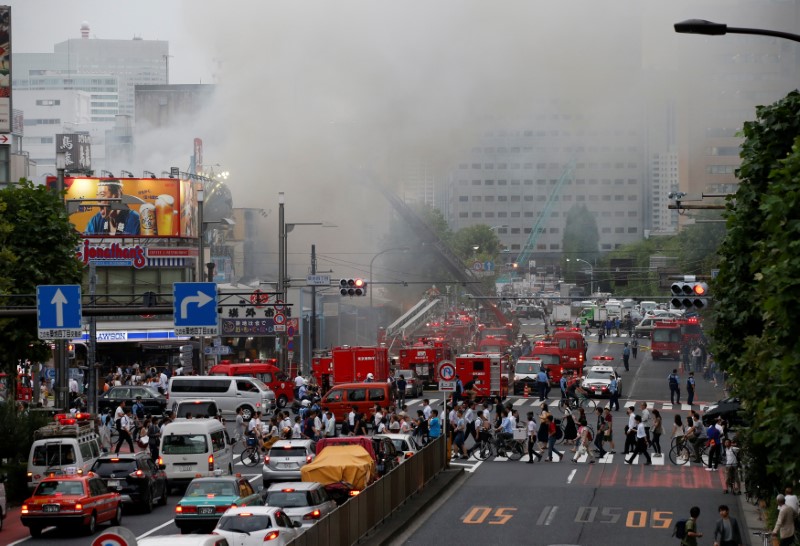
x,y
297,524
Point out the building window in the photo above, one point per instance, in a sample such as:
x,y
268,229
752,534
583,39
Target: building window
x,y
488,182
463,198
502,198
476,214
488,198
463,215
502,214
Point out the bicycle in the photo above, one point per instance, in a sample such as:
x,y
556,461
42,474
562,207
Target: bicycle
x,y
766,537
573,403
251,455
683,451
493,445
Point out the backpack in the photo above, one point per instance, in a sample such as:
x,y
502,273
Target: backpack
x,y
679,531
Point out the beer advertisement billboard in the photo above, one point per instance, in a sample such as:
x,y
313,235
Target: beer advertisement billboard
x,y
132,207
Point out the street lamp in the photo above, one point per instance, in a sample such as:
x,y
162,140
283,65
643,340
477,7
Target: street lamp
x,y
372,261
591,273
708,28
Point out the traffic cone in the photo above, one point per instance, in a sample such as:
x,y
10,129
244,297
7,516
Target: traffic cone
x,y
526,392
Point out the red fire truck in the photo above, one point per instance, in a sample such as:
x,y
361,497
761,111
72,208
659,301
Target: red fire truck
x,y
350,365
424,357
666,340
573,347
489,371
554,361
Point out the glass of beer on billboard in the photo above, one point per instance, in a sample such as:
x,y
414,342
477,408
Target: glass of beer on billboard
x,y
147,219
165,207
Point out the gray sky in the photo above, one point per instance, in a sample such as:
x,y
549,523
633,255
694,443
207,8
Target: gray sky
x,y
39,24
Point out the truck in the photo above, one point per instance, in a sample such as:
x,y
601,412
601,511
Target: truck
x,y
562,314
489,371
424,357
593,316
666,340
348,364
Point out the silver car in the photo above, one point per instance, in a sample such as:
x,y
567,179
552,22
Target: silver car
x,y
285,458
304,502
414,387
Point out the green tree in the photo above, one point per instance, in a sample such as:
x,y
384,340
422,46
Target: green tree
x,y
37,246
757,291
482,236
581,236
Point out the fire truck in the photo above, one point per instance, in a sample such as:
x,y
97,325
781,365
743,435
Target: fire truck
x,y
666,340
573,347
489,371
350,365
424,357
23,389
551,358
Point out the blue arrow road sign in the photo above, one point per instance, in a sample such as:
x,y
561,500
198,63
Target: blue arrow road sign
x,y
58,308
195,308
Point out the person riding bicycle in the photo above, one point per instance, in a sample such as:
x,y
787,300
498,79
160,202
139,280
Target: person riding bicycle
x,y
505,431
575,392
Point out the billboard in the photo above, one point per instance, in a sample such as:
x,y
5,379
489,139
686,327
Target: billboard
x,y
77,149
148,207
5,69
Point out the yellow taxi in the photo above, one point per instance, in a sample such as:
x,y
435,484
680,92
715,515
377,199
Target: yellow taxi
x,y
70,502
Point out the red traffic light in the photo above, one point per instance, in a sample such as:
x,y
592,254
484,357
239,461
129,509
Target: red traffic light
x,y
700,289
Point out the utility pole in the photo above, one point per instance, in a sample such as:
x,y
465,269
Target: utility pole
x,y
313,323
281,288
62,383
91,356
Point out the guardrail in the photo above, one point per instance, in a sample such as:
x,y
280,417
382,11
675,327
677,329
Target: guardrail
x,y
355,518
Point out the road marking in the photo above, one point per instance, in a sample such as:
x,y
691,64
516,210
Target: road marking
x,y
520,401
571,475
547,515
686,407
153,530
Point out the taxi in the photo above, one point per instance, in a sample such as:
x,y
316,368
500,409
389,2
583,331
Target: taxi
x,y
207,498
72,501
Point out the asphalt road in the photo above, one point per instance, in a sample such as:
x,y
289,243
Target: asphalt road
x,y
607,503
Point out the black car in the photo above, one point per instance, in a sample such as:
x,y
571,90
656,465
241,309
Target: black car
x,y
154,402
729,409
135,477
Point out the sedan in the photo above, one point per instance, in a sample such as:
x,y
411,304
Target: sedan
x,y
154,402
206,499
414,387
70,502
135,477
304,502
256,526
405,444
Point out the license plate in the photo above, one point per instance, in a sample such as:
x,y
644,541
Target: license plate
x,y
113,483
285,466
205,510
51,508
185,467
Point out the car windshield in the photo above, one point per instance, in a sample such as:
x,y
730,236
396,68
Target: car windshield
x,y
594,375
59,487
244,523
210,488
197,409
400,445
289,499
667,335
528,367
183,444
549,360
106,467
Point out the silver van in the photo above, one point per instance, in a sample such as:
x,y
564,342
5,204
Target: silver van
x,y
230,393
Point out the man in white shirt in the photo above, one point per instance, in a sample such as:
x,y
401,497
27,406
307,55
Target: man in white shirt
x,y
298,382
646,420
378,416
426,409
791,500
330,425
163,383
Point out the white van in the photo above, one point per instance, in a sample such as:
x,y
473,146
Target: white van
x,y
194,447
62,448
230,393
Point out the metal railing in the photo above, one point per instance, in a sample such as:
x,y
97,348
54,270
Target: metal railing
x,y
356,517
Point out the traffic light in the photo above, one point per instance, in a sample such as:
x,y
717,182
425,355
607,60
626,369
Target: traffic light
x,y
689,295
353,287
71,351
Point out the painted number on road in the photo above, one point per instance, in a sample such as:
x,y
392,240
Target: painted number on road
x,y
637,519
487,514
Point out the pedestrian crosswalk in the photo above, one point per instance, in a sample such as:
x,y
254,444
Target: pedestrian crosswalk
x,y
519,403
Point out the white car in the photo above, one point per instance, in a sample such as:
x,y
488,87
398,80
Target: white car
x,y
256,526
404,443
304,502
184,540
597,379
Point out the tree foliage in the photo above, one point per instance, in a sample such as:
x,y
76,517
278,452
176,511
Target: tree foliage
x,y
37,246
484,237
757,291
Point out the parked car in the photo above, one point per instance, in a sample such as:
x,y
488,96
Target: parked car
x,y
206,499
414,386
304,502
154,402
256,526
405,444
285,459
135,477
79,501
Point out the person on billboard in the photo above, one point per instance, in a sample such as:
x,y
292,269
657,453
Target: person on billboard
x,y
109,221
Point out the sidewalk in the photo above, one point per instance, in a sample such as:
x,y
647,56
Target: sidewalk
x,y
753,519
